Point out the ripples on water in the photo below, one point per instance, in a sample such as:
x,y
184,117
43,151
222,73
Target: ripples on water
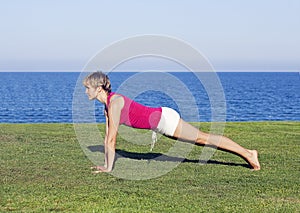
x,y
47,97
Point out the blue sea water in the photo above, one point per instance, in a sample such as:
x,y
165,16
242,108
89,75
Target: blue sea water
x,y
41,97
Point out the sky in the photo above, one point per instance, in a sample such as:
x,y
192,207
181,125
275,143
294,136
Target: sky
x,y
234,35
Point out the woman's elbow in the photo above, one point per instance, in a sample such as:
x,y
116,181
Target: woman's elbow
x,y
111,142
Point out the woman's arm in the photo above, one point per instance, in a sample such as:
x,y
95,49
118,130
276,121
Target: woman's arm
x,y
113,116
105,139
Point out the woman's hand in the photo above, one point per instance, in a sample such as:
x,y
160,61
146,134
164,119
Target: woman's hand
x,y
99,169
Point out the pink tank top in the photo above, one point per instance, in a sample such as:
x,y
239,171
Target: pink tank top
x,y
137,115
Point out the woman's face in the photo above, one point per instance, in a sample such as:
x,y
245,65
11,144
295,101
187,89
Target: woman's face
x,y
91,92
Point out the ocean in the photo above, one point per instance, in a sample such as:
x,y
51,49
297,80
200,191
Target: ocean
x,y
48,97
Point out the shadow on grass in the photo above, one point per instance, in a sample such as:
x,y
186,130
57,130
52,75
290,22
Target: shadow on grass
x,y
161,157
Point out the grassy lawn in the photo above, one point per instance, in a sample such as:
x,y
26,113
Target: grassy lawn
x,y
44,169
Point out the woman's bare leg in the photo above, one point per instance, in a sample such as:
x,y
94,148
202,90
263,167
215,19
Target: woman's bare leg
x,y
187,132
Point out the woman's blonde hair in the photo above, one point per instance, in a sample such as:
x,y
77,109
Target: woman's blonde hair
x,y
98,79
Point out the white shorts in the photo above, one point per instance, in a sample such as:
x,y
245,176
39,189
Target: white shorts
x,y
168,121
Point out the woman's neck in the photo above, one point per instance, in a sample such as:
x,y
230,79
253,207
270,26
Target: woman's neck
x,y
102,97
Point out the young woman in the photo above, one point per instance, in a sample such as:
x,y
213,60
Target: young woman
x,y
120,109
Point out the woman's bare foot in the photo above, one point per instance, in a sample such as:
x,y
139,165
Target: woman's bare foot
x,y
253,160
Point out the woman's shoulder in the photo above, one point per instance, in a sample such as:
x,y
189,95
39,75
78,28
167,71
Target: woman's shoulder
x,y
114,96
116,100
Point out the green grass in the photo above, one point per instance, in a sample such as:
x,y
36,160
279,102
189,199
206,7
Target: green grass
x,y
44,169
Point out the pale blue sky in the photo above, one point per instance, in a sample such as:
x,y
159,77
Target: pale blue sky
x,y
49,35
